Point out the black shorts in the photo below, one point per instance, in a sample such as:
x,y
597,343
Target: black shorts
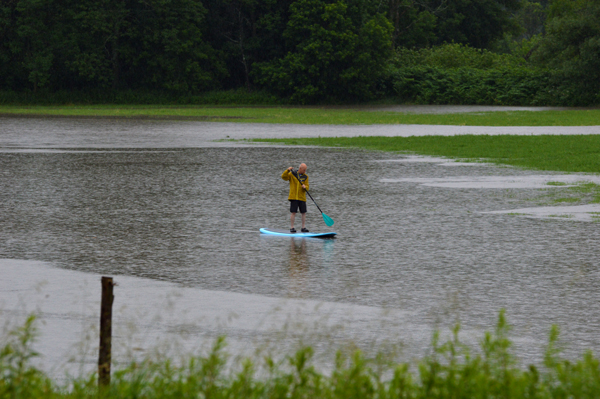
x,y
295,204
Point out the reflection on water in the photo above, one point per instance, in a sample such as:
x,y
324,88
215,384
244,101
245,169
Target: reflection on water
x,y
299,265
186,215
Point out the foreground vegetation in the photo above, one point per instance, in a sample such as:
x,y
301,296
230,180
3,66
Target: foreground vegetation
x,y
314,115
452,370
572,153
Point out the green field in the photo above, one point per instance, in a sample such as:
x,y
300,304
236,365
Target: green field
x,y
572,153
314,115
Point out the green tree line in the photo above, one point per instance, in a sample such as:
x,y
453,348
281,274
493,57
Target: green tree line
x,y
308,51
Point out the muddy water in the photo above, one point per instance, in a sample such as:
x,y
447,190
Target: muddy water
x,y
121,198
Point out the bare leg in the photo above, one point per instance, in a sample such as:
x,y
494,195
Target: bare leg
x,y
292,218
303,220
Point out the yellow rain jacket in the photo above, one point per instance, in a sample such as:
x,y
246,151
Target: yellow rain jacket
x,y
296,190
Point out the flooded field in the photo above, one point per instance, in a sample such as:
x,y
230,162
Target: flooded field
x,y
422,242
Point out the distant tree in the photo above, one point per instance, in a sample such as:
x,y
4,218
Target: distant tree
x,y
154,44
9,76
246,32
28,41
571,46
97,40
477,23
531,18
414,22
522,41
131,44
174,53
336,52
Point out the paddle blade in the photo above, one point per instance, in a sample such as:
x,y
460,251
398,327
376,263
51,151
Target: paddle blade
x,y
328,221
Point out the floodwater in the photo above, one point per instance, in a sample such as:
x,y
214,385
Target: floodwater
x,y
422,242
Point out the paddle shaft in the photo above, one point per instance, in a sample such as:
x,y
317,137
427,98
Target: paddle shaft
x,y
313,200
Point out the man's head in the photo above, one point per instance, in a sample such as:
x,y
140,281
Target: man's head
x,y
302,168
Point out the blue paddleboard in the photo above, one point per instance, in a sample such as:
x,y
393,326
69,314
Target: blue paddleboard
x,y
286,233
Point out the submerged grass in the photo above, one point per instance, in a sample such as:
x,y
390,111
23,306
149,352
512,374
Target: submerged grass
x,y
312,115
589,190
566,199
582,192
453,370
572,153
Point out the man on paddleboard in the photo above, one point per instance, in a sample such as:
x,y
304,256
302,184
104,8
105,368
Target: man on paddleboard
x,y
298,186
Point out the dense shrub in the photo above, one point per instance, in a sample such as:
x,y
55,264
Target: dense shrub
x,y
458,74
454,55
434,85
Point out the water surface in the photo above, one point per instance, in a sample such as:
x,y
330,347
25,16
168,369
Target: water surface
x,y
158,200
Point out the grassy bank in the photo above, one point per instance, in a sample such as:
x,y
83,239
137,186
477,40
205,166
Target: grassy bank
x,y
453,370
311,115
573,153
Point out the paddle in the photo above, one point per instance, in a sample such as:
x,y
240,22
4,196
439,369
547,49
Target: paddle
x,y
328,221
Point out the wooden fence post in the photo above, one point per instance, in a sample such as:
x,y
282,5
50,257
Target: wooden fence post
x,y
104,356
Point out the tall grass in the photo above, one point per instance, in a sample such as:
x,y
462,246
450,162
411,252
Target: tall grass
x,y
569,153
453,370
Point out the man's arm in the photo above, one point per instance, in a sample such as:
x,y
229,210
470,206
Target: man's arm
x,y
286,175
